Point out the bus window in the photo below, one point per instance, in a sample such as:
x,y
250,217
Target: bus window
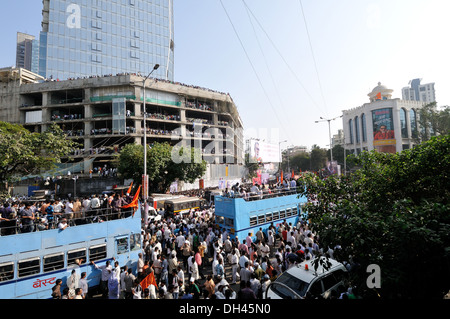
x,y
268,217
294,211
76,257
6,271
97,252
28,267
122,245
253,221
282,214
275,215
229,222
261,219
220,220
135,242
288,212
53,262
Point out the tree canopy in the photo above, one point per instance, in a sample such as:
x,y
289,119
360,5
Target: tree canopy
x,y
392,212
23,153
162,170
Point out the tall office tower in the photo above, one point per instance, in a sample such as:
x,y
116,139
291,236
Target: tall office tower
x,y
419,92
82,38
24,50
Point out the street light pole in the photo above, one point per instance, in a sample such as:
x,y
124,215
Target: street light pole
x,y
329,132
145,141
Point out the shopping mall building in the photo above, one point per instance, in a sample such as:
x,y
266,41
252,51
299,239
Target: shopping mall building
x,y
385,124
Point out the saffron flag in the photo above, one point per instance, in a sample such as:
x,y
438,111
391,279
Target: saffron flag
x,y
379,96
292,176
149,280
129,188
281,177
134,202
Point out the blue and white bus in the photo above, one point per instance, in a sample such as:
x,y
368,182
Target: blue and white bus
x,y
241,216
30,263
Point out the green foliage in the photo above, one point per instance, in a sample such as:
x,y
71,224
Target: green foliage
x,y
252,166
162,170
393,212
433,121
23,153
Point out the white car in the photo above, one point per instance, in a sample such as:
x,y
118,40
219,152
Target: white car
x,y
301,279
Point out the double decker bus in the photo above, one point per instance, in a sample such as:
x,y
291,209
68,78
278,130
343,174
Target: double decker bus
x,y
30,263
241,216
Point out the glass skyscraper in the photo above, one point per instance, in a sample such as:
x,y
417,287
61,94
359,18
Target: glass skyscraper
x,y
82,38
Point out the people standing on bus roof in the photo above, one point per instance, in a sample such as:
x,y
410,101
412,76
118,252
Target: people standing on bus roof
x,y
27,218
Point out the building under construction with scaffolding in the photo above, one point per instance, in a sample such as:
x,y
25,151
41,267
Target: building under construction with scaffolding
x,y
103,114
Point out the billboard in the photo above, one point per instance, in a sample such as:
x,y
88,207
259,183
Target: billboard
x,y
383,131
264,152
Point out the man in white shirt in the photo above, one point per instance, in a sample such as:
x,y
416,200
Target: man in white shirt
x,y
86,204
234,265
95,202
68,211
265,250
242,260
122,282
83,284
291,239
180,241
106,270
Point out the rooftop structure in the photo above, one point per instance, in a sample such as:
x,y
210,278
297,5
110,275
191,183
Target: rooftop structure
x,y
105,113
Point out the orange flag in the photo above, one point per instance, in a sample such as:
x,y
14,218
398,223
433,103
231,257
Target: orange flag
x,y
292,176
129,189
379,96
281,177
134,202
149,280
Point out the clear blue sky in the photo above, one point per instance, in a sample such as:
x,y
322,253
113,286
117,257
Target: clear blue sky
x,y
264,59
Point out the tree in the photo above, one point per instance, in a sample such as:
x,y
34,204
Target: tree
x,y
162,170
23,153
392,212
318,158
433,121
251,165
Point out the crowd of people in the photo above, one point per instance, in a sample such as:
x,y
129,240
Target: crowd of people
x,y
23,215
190,258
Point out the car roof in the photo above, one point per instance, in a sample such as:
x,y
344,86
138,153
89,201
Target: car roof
x,y
300,272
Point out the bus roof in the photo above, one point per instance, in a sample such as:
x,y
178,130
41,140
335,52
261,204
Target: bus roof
x,y
183,199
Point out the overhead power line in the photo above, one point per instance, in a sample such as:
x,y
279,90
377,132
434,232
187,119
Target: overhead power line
x,y
253,67
312,53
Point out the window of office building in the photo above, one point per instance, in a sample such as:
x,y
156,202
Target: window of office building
x,y
413,123
403,125
350,126
357,129
363,127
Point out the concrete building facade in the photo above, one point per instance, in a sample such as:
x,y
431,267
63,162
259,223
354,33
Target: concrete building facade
x,y
104,114
385,124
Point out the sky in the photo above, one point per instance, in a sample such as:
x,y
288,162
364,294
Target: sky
x,y
289,63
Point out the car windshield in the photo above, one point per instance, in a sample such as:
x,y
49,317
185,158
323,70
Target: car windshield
x,y
299,286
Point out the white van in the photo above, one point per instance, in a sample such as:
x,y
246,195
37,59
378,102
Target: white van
x,y
301,279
